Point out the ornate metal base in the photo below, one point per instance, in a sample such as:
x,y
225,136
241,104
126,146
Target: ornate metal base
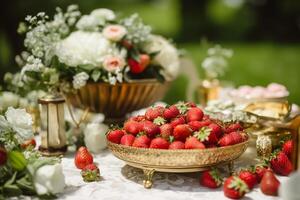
x,y
53,151
149,172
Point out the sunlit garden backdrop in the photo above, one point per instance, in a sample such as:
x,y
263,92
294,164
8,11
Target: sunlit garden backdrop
x,y
265,35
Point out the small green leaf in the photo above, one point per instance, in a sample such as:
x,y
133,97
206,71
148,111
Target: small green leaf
x,y
87,67
96,75
134,54
17,160
11,190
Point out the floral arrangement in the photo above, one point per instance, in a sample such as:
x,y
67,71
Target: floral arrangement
x,y
71,49
216,62
23,171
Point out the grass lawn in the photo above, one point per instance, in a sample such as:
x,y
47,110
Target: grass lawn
x,y
253,64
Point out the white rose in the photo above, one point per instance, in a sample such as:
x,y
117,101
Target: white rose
x,y
82,48
114,32
94,137
8,99
88,22
103,14
167,57
49,179
21,122
114,63
80,79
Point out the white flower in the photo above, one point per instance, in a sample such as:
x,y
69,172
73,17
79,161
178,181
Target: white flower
x,y
113,63
8,99
21,122
114,32
94,137
83,48
87,22
214,65
49,179
103,14
79,80
167,57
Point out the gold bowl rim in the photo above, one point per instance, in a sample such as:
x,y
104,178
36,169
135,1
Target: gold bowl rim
x,y
179,150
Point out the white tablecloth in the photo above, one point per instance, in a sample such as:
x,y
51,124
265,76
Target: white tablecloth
x,y
122,182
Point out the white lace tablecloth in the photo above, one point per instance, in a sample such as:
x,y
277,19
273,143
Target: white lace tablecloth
x,y
122,182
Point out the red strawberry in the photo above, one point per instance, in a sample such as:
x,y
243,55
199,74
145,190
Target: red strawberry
x,y
181,132
269,184
142,142
159,143
138,118
193,143
150,129
176,121
231,139
171,112
127,140
132,127
281,164
90,173
31,143
211,179
115,136
235,188
83,158
260,170
3,156
152,113
138,67
216,129
249,178
194,114
237,137
196,125
166,130
206,135
233,127
287,148
177,145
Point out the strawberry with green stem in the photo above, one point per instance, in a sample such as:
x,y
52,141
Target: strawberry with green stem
x,y
235,188
206,135
171,112
90,173
280,163
193,143
211,178
141,141
115,136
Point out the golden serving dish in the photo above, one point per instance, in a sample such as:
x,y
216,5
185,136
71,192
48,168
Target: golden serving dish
x,y
176,161
115,101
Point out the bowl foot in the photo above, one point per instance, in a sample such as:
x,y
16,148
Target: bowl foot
x,y
230,168
148,175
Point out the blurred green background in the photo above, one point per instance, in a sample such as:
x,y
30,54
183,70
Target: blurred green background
x,y
264,34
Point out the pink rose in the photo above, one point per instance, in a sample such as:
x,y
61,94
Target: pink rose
x,y
114,32
113,63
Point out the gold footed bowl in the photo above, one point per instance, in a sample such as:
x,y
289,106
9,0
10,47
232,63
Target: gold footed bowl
x,y
176,161
115,101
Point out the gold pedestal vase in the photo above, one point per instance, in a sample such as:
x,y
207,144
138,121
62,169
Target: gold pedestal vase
x,y
53,136
209,90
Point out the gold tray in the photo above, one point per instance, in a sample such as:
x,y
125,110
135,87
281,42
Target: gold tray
x,y
176,161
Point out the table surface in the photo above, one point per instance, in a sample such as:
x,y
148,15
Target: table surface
x,y
120,181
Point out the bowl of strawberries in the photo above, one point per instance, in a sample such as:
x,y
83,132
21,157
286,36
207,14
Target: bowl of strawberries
x,y
176,138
